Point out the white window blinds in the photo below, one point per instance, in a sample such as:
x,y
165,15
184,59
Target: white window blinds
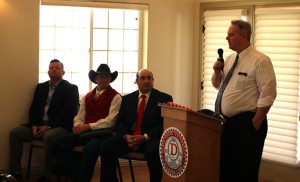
x,y
216,24
277,34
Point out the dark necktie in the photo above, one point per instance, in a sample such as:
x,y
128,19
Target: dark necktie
x,y
223,86
138,124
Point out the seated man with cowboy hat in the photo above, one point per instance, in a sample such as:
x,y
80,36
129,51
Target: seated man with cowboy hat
x,y
98,109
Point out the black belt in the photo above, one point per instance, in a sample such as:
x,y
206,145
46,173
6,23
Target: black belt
x,y
240,115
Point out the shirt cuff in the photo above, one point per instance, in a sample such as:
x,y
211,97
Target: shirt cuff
x,y
146,136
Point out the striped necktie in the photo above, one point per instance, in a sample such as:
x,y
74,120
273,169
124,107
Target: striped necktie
x,y
223,86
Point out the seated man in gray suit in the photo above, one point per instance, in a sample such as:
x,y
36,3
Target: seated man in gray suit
x,y
51,114
137,130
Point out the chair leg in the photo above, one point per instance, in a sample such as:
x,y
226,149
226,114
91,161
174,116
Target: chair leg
x,y
29,162
119,171
131,170
101,172
58,178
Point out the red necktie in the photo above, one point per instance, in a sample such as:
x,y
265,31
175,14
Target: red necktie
x,y
138,124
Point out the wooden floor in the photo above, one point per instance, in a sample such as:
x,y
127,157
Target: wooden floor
x,y
140,171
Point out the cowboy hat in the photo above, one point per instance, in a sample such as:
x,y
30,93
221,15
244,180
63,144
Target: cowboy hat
x,y
102,69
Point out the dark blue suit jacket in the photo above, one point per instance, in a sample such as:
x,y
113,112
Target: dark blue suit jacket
x,y
152,123
62,109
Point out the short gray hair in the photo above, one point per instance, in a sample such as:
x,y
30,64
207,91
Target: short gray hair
x,y
244,27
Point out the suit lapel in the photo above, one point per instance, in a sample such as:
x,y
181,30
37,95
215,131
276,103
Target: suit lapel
x,y
44,93
136,102
54,96
150,104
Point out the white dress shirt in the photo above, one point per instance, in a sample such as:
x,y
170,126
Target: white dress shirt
x,y
252,85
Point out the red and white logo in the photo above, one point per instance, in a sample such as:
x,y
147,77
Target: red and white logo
x,y
173,151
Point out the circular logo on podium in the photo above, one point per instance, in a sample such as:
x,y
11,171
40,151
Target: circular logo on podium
x,y
173,151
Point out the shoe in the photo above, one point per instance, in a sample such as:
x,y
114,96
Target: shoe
x,y
7,178
43,179
18,176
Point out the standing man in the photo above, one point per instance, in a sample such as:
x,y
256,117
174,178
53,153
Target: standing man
x,y
52,110
245,102
136,132
98,109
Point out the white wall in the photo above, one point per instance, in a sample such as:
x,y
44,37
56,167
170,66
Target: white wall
x,y
19,33
170,47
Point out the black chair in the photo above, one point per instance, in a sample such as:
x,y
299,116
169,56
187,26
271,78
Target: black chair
x,y
40,144
139,156
34,144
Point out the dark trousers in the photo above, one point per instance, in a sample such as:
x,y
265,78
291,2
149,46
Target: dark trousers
x,y
241,148
78,167
116,145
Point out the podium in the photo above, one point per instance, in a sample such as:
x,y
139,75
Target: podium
x,y
202,135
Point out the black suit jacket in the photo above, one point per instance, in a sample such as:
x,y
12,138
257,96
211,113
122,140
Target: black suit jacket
x,y
152,123
62,108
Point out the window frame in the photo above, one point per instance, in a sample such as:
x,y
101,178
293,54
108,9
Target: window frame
x,y
142,36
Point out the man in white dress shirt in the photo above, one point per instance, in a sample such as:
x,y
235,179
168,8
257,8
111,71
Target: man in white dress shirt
x,y
245,103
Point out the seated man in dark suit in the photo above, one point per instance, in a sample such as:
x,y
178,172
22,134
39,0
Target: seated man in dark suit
x,y
98,110
136,132
51,113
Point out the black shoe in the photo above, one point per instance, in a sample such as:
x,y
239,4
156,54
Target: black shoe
x,y
18,176
43,179
7,178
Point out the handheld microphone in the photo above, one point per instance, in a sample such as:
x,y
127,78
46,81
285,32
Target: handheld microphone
x,y
220,52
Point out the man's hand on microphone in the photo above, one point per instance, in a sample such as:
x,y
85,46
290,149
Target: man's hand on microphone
x,y
218,65
217,76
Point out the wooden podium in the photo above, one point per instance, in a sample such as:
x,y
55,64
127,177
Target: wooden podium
x,y
202,135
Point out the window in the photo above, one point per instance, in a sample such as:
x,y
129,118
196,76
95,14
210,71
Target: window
x,y
215,25
276,32
84,37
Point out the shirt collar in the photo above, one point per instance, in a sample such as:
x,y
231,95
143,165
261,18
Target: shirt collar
x,y
99,92
55,85
147,94
245,52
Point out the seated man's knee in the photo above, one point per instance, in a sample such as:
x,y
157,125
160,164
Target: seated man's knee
x,y
19,132
56,146
108,145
